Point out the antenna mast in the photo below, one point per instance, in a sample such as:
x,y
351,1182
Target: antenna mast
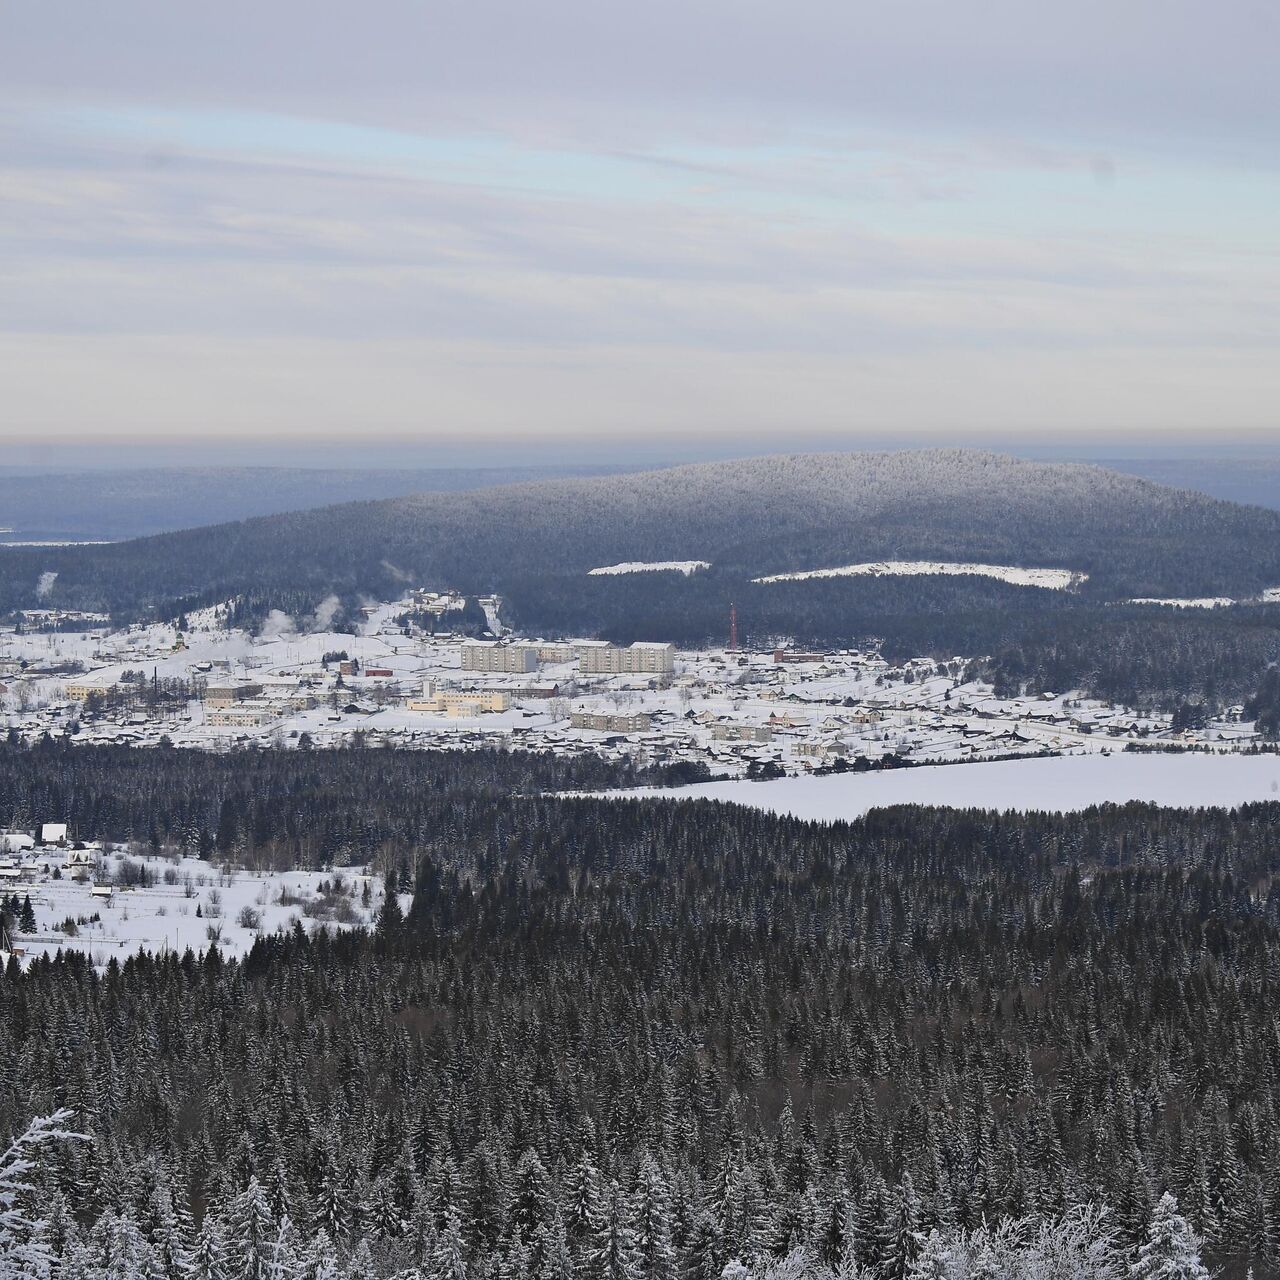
x,y
733,628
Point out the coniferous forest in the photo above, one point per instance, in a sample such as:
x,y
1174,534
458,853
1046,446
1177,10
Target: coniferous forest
x,y
632,1039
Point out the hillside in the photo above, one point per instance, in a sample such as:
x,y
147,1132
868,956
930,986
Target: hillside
x,y
753,517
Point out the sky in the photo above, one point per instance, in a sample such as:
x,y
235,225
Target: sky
x,y
503,227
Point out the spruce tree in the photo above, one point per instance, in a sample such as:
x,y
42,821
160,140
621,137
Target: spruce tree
x,y
1171,1250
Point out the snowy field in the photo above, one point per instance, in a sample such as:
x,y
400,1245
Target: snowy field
x,y
191,903
1051,579
1062,784
1270,596
649,566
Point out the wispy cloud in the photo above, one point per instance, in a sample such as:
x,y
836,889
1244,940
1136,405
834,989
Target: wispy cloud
x,y
699,215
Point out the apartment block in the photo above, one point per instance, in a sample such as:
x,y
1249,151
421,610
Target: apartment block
x,y
510,659
641,658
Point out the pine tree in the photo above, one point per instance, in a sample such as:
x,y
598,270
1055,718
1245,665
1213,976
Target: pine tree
x,y
24,1249
1171,1250
208,1259
551,1251
532,1203
333,1213
613,1254
581,1199
702,1259
904,1239
653,1222
934,1259
251,1234
320,1259
448,1258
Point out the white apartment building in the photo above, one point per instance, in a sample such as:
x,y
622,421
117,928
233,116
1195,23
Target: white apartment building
x,y
641,658
489,655
610,722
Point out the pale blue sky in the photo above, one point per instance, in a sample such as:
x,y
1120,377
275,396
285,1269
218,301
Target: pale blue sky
x,y
498,220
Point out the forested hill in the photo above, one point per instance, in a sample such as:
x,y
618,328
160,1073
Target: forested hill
x,y
751,517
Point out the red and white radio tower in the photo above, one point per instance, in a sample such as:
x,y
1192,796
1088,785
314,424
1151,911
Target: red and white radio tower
x,y
733,629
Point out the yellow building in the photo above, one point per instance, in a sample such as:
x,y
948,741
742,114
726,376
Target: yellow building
x,y
460,702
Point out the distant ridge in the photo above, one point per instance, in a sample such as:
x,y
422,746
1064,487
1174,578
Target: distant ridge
x,y
751,517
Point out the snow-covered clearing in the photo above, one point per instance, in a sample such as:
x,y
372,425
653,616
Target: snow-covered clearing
x,y
1051,579
650,566
1062,783
1270,596
1201,602
234,907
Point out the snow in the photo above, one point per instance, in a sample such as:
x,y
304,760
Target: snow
x,y
1052,579
1271,595
162,916
1063,784
650,566
1200,602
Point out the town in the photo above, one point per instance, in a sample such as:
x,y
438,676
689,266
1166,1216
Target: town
x,y
740,713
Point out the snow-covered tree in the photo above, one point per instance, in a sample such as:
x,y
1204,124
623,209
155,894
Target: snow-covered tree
x,y
24,1248
251,1234
1171,1250
448,1259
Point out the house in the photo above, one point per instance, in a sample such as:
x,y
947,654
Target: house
x,y
53,833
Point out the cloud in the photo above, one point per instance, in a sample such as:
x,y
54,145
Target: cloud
x,y
576,216
44,584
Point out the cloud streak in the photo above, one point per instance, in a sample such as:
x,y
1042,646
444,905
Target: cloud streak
x,y
489,215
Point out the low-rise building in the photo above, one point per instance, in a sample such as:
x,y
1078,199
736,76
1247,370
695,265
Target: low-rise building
x,y
783,656
227,695
80,689
460,702
243,715
742,733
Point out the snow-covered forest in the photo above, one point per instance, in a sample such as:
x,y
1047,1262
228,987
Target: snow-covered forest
x,y
751,517
634,1040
